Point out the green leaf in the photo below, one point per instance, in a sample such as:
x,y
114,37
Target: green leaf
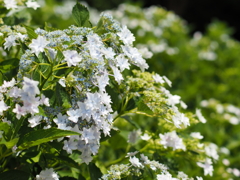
x,y
113,132
9,144
94,172
48,27
8,69
9,65
81,15
67,161
14,174
118,142
4,127
42,136
194,152
143,107
63,97
3,10
129,119
30,31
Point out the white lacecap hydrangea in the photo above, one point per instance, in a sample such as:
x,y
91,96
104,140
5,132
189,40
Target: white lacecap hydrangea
x,y
207,166
171,139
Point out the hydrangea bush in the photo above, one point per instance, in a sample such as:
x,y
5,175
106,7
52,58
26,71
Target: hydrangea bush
x,y
78,103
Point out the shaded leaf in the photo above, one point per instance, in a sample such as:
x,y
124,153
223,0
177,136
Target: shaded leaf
x,y
63,96
113,132
94,172
42,136
14,174
9,65
118,142
67,161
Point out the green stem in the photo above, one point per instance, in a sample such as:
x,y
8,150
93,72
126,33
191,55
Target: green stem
x,y
45,80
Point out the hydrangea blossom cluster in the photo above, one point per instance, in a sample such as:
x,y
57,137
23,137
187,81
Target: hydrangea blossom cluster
x,y
27,98
14,4
137,164
93,63
228,112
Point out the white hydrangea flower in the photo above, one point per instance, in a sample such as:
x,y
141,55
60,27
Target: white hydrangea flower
x,y
47,174
171,139
134,136
117,74
20,36
196,135
126,36
167,81
86,157
30,86
61,121
32,4
180,118
10,41
70,145
62,82
166,176
3,107
34,121
72,57
73,115
145,137
20,111
158,79
200,116
38,44
207,166
181,175
6,121
10,4
122,62
129,154
135,162
93,101
208,55
211,151
183,105
134,55
224,150
226,162
145,52
103,81
173,99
